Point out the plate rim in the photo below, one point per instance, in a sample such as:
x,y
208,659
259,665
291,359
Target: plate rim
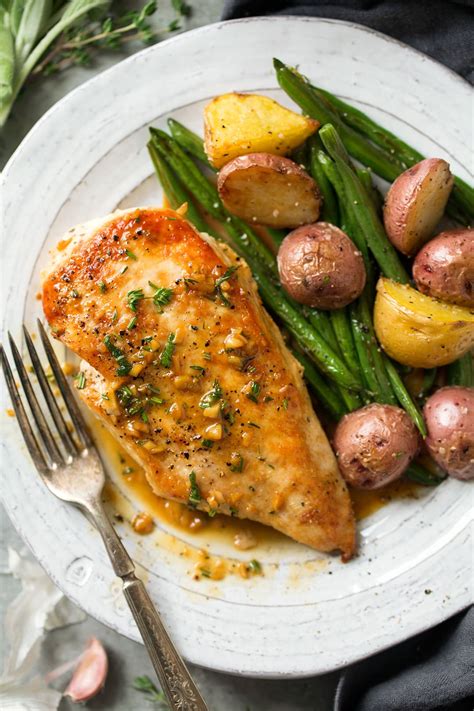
x,y
86,86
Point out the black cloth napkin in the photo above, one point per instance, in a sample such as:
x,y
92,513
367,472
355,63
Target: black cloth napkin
x,y
434,670
444,29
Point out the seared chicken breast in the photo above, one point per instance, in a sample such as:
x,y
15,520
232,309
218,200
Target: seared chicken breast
x,y
190,374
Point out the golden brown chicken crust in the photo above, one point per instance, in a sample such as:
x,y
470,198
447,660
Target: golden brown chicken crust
x,y
257,450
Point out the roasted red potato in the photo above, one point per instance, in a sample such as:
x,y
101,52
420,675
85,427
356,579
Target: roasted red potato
x,y
416,202
444,268
269,190
321,267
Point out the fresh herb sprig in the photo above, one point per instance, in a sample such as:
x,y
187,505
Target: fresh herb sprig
x,y
40,37
146,686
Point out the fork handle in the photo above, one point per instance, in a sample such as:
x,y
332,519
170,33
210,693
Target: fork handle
x,y
181,691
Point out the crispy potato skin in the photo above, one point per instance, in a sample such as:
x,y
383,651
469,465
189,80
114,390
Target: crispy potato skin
x,y
419,331
415,203
289,478
444,268
321,267
449,415
269,190
236,124
374,445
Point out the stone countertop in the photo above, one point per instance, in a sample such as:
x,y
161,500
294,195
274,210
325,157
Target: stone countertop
x,y
129,659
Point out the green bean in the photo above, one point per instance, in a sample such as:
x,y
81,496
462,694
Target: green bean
x,y
365,177
301,156
189,141
342,329
176,193
417,473
404,397
461,371
385,389
429,377
362,209
328,397
330,211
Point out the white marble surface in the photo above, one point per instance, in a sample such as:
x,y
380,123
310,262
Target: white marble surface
x,y
128,659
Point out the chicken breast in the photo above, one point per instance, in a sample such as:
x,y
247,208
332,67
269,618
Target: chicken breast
x,y
191,375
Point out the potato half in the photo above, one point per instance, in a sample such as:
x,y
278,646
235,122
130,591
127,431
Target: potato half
x,y
416,202
418,330
269,190
236,124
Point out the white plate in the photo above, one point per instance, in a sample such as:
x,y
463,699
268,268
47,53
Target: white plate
x,y
310,614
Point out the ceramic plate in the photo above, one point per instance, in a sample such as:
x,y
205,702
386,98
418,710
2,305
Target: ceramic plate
x,y
308,613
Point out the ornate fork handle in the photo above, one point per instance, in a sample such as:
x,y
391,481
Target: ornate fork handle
x,y
174,677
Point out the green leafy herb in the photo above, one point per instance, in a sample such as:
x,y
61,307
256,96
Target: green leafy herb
x,y
124,269
114,316
132,323
181,7
161,297
131,255
233,511
205,572
124,366
80,380
285,403
212,396
206,355
254,391
104,396
207,443
146,686
194,496
238,464
167,354
255,567
134,297
221,280
211,512
102,286
199,368
75,294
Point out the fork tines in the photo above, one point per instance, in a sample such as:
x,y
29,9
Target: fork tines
x,y
43,446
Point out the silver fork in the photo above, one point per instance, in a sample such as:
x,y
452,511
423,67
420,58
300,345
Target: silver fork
x,y
74,472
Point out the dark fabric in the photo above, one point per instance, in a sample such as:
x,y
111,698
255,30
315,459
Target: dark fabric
x,y
433,671
444,29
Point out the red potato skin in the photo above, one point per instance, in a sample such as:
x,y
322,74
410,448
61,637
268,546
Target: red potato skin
x,y
320,266
374,445
267,165
449,415
403,193
444,268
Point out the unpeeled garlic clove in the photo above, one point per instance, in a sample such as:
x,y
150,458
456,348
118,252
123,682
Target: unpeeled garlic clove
x,y
90,674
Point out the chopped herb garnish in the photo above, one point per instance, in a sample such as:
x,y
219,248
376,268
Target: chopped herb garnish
x,y
144,416
285,403
212,512
207,443
211,397
124,269
161,297
102,286
114,316
233,511
199,368
194,496
253,424
267,398
206,356
189,282
75,294
131,255
238,463
254,391
218,284
205,572
168,350
124,366
132,323
104,396
80,381
134,297
255,567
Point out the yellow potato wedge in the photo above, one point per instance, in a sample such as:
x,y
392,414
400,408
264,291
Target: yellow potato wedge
x,y
269,190
418,330
415,204
236,124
